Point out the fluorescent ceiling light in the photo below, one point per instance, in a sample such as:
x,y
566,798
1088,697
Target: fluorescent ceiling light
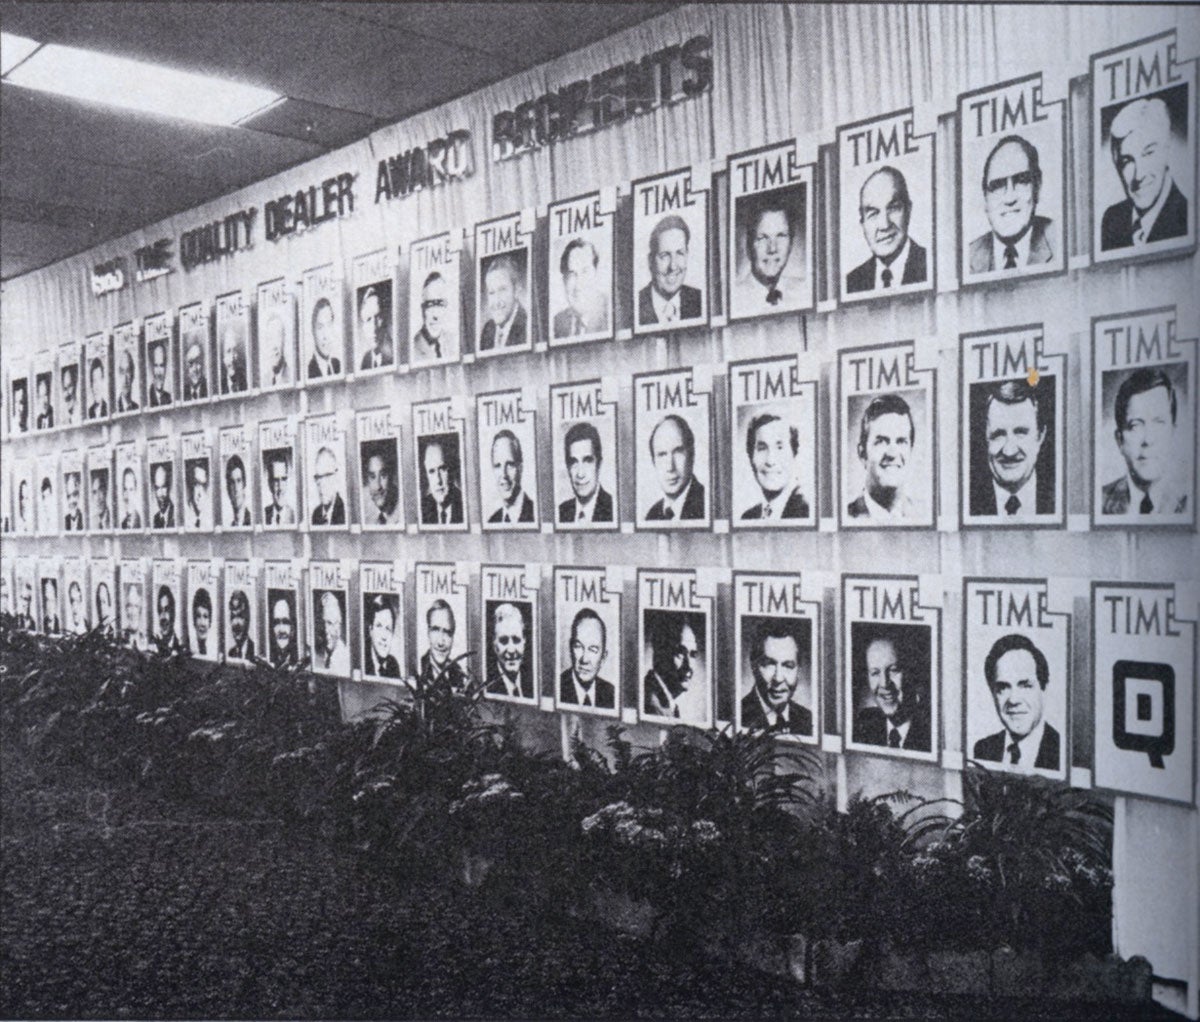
x,y
13,50
134,85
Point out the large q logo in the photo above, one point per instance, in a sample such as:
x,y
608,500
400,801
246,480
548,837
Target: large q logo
x,y
1144,709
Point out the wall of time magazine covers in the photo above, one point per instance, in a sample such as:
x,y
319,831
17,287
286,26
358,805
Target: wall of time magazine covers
x,y
862,409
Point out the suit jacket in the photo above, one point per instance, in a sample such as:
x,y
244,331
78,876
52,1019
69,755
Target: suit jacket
x,y
516,333
279,516
870,728
453,671
165,519
244,518
431,511
994,749
799,721
314,367
496,686
526,514
98,409
796,507
689,304
52,625
1115,498
388,667
388,359
604,693
132,520
655,697
862,277
73,523
125,404
983,494
1040,251
336,515
602,511
197,392
564,322
693,505
46,420
244,652
159,397
1116,226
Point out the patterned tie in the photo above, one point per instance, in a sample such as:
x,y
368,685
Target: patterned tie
x,y
766,510
1012,505
1146,506
1010,257
1014,753
886,276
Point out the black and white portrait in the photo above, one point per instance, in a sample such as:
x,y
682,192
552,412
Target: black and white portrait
x,y
886,208
233,344
1012,182
276,323
278,466
503,249
283,627
670,252
198,493
507,445
76,612
773,445
1144,421
102,579
70,384
374,338
330,626
162,473
381,589
71,467
325,472
195,349
434,306
323,346
672,434
378,433
127,370
161,361
19,418
131,493
887,436
771,232
889,689
43,391
204,619
580,271
438,447
167,622
49,596
510,639
241,612
1144,150
133,584
675,649
584,452
236,447
99,491
442,628
587,641
46,477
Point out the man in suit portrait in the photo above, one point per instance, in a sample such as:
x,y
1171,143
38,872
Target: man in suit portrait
x,y
195,385
278,370
105,618
773,447
51,624
674,654
885,441
234,379
581,684
98,392
583,454
673,454
884,211
510,671
45,414
46,509
98,506
126,401
199,507
442,501
375,328
508,463
235,491
131,497
587,300
898,685
332,652
20,405
772,272
159,395
330,509
379,613
1017,674
239,628
1154,209
24,512
1144,411
164,509
132,625
432,342
1017,484
1012,184
77,619
324,361
381,503
279,470
164,605
667,299
25,619
283,629
508,322
201,622
778,660
69,394
72,487
436,665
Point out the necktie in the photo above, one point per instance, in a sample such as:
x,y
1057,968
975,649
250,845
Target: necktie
x,y
670,313
668,513
578,328
382,518
1014,752
1010,257
893,738
580,515
203,646
1146,506
886,277
766,510
1139,233
436,345
1012,505
587,698
774,296
445,514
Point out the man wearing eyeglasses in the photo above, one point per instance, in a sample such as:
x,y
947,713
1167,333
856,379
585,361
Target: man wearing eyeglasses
x,y
511,675
331,509
581,684
1012,183
433,343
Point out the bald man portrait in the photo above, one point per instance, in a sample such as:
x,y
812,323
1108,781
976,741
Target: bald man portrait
x,y
884,210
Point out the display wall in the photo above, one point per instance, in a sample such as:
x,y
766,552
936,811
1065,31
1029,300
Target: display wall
x,y
844,368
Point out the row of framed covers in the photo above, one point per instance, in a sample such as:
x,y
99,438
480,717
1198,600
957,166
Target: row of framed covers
x,y
732,446
667,662
662,254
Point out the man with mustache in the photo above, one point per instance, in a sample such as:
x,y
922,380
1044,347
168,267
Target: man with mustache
x,y
884,210
1014,435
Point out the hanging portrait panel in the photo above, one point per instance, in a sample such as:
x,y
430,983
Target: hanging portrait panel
x,y
322,326
580,268
511,642
97,358
381,585
166,588
435,300
329,617
204,605
282,606
131,490
380,500
77,616
127,369
442,628
506,443
162,362
71,467
439,447
673,438
670,251
235,446
276,314
241,612
162,470
70,384
100,491
675,648
325,474
587,646
503,260
195,351
374,301
583,424
196,451
233,344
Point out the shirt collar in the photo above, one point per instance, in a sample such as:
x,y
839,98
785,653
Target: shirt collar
x,y
502,329
1027,495
897,265
901,728
510,511
903,508
587,507
676,503
660,304
1022,245
770,714
581,691
1151,215
1161,493
1028,745
778,502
